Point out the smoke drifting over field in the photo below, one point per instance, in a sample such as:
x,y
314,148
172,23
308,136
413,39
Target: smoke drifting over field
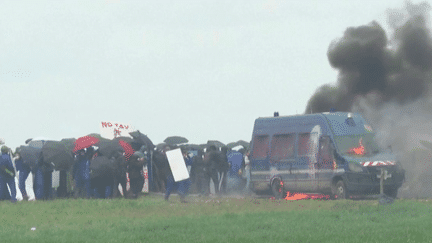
x,y
389,81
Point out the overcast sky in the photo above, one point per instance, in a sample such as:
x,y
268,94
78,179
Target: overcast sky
x,y
204,70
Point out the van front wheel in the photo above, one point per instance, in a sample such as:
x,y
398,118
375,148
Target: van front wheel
x,y
340,191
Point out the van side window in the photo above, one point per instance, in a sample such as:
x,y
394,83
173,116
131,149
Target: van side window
x,y
282,146
307,144
261,147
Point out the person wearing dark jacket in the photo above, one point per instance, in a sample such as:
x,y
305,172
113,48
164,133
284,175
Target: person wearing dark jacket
x,y
199,170
120,175
24,171
42,184
101,183
81,172
223,169
212,159
136,177
7,174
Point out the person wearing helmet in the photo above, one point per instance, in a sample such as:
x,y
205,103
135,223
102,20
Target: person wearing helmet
x,y
7,174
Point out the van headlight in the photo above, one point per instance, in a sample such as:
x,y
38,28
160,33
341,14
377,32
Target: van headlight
x,y
354,167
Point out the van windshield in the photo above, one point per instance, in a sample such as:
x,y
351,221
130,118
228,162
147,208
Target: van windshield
x,y
358,145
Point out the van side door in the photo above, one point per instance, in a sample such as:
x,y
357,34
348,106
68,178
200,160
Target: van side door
x,y
326,164
307,155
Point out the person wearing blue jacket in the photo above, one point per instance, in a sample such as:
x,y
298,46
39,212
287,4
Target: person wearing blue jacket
x,y
24,171
7,174
181,186
81,172
184,185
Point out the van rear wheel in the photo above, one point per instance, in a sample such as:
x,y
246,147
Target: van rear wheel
x,y
340,191
277,189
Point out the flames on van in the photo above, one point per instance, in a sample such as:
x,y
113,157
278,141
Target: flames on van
x,y
360,150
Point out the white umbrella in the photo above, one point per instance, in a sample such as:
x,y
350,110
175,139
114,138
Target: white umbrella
x,y
237,148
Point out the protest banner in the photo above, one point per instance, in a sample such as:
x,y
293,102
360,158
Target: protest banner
x,y
111,130
177,164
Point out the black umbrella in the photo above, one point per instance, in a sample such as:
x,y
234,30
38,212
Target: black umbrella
x,y
69,143
58,153
109,147
160,146
143,139
173,140
194,146
29,155
102,166
215,143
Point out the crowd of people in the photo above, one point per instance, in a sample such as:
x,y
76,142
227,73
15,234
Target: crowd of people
x,y
203,166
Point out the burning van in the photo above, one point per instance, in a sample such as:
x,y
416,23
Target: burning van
x,y
330,153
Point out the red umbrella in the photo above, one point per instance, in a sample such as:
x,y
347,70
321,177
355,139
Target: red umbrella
x,y
127,148
85,142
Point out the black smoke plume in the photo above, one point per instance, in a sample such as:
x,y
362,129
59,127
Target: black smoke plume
x,y
388,81
396,70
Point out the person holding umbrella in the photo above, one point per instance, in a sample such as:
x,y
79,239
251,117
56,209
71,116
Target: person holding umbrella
x,y
81,173
199,171
7,174
101,175
223,168
212,159
42,185
24,171
135,166
119,174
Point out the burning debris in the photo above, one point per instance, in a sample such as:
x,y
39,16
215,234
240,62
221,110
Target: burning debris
x,y
388,81
302,196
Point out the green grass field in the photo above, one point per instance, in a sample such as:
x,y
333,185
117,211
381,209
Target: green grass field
x,y
151,219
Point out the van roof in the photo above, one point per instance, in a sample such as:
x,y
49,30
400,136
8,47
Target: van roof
x,y
336,120
326,114
335,116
